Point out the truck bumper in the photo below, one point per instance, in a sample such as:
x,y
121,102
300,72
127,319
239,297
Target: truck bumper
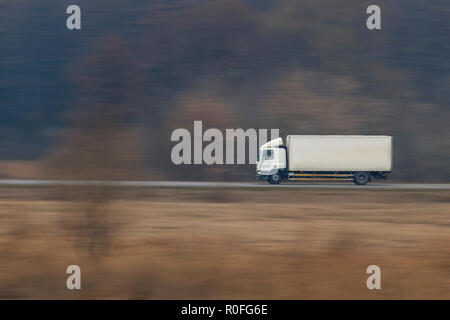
x,y
261,177
264,175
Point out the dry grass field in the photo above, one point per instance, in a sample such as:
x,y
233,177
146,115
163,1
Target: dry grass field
x,y
180,243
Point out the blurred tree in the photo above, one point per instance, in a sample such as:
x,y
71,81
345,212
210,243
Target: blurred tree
x,y
306,67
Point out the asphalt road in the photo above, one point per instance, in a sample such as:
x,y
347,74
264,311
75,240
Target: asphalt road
x,y
197,184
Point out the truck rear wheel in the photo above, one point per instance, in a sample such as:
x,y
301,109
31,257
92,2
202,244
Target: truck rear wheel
x,y
361,178
275,179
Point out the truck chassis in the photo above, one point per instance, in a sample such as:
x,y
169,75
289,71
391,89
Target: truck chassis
x,y
358,177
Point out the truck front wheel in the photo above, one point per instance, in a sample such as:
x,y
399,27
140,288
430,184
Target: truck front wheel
x,y
361,178
275,179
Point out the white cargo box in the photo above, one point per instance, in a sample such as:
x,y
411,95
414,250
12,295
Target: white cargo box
x,y
339,153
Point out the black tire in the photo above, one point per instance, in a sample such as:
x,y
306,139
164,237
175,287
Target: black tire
x,y
275,179
361,178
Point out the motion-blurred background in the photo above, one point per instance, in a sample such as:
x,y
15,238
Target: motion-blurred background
x,y
102,102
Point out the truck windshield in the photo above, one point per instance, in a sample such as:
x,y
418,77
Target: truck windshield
x,y
267,154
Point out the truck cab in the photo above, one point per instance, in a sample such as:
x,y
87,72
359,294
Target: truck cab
x,y
271,163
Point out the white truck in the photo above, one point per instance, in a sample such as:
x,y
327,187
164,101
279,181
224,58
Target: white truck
x,y
325,157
